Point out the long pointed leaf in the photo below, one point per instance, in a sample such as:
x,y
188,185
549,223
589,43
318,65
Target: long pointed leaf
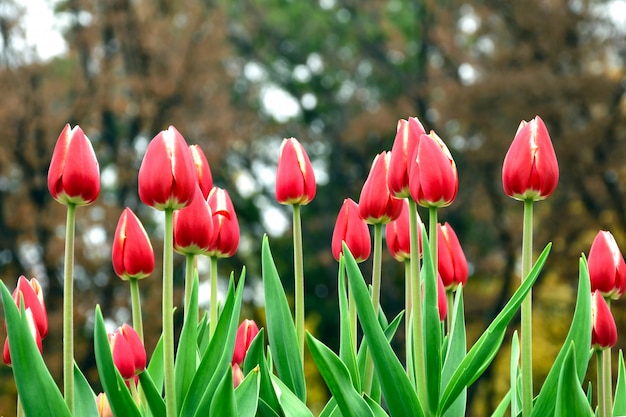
x,y
247,394
224,403
619,406
153,396
187,352
571,400
85,403
456,351
346,350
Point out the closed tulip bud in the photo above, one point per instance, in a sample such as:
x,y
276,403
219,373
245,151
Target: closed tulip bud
x,y
607,270
246,333
603,329
32,294
225,225
295,180
530,169
129,354
442,301
407,138
74,175
132,253
450,258
6,353
376,205
167,177
238,375
203,171
433,179
102,403
193,226
398,236
350,228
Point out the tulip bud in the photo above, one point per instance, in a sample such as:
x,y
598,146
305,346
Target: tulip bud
x,y
295,180
102,403
225,225
607,270
203,171
74,175
238,375
167,177
530,169
132,253
129,354
376,205
6,353
603,329
193,226
442,302
32,295
246,333
398,236
350,228
407,138
433,179
450,258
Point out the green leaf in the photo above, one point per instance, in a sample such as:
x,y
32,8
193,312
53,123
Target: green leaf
x,y
580,333
187,351
266,411
514,373
203,333
255,351
346,350
117,393
500,410
224,403
256,355
280,328
338,379
38,392
456,351
329,408
619,406
292,405
571,400
85,398
247,394
486,347
397,389
155,367
153,396
377,410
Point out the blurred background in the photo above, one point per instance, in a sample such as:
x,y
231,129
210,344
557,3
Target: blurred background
x,y
237,76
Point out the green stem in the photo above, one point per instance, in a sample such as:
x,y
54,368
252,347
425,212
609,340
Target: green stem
x,y
299,278
608,383
432,236
408,301
376,276
134,392
213,301
168,318
20,409
450,299
603,410
190,259
352,317
419,364
68,309
136,307
526,331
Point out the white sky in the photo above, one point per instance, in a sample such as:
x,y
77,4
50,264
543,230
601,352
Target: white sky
x,y
42,29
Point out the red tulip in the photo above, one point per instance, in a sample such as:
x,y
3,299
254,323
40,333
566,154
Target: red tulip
x,y
450,258
433,178
203,171
376,205
530,169
32,295
74,176
407,138
132,253
350,228
32,324
167,177
102,403
246,333
193,226
607,270
398,236
225,225
442,301
603,330
129,354
238,376
295,180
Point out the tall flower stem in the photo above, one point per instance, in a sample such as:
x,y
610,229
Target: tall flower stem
x,y
526,333
168,318
213,308
68,309
450,301
408,309
432,236
416,290
189,275
376,278
608,382
136,307
299,278
603,405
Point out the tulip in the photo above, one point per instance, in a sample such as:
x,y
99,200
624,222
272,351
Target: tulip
x,y
350,228
102,403
376,205
442,301
295,180
604,330
530,169
607,270
203,171
167,177
6,353
32,295
238,375
246,333
407,137
225,225
397,235
129,354
132,253
433,178
451,259
74,176
193,226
